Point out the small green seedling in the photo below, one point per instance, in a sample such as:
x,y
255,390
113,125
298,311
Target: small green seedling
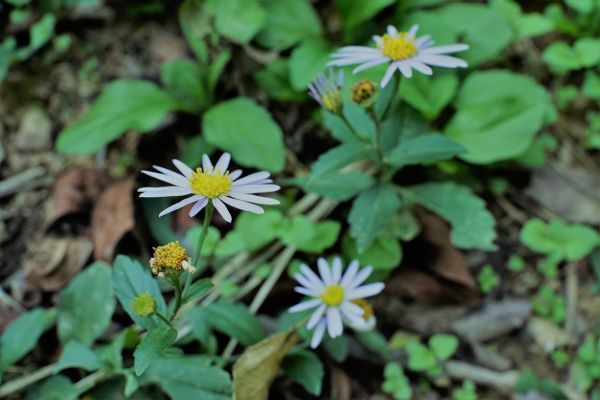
x,y
488,279
560,358
396,383
585,370
429,359
466,392
549,304
516,263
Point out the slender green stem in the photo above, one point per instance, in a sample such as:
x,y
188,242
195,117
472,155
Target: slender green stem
x,y
176,282
20,383
90,381
207,218
159,315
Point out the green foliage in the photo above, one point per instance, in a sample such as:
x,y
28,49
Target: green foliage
x,y
274,79
488,279
523,24
443,346
563,58
498,115
466,392
336,348
424,149
77,355
355,12
429,94
528,381
535,155
129,281
234,320
247,131
472,224
307,61
22,334
429,359
57,387
370,213
183,80
282,32
560,358
305,368
547,303
152,346
396,383
516,263
591,85
559,239
384,254
238,20
86,305
585,370
122,105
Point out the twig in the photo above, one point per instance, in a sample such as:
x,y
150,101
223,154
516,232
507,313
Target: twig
x,y
22,382
20,181
571,294
504,381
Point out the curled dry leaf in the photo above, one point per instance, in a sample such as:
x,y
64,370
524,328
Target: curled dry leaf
x,y
112,218
257,367
74,191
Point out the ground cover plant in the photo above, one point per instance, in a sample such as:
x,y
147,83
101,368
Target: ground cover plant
x,y
298,199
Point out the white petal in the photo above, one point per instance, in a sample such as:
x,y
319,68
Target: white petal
x,y
316,316
356,49
422,68
206,164
257,176
336,269
255,189
365,291
254,199
198,206
185,170
316,286
342,62
324,271
235,174
305,269
334,322
222,209
318,334
389,73
442,61
180,204
423,42
242,205
352,308
173,180
166,191
350,273
168,171
405,68
305,291
413,31
362,275
354,319
446,49
370,64
391,30
305,305
223,163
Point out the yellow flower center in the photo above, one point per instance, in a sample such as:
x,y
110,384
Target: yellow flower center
x,y
332,101
366,307
362,91
169,256
333,295
210,185
397,47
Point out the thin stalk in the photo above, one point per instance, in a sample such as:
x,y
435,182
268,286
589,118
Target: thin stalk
x,y
18,384
207,218
571,294
176,282
159,315
90,381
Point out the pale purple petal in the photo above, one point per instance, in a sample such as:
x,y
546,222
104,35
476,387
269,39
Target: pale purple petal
x,y
442,61
405,69
336,269
309,273
206,164
324,271
257,176
370,64
334,322
365,291
316,316
389,73
318,334
305,305
254,199
350,273
422,68
242,205
222,209
255,189
173,180
223,163
180,204
166,191
184,169
360,277
198,207
446,49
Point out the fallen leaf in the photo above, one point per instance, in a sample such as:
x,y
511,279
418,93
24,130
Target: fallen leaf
x,y
112,218
547,334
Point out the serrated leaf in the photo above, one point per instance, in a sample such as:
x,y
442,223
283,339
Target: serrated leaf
x,y
257,367
247,131
122,105
86,305
472,224
152,346
78,355
339,186
384,254
339,157
305,368
130,280
359,120
424,149
370,213
234,320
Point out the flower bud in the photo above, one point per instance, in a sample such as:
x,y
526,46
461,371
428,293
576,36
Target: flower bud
x,y
144,305
364,93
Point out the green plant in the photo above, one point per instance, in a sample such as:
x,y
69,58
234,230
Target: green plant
x,y
488,279
585,369
466,392
547,303
396,383
430,359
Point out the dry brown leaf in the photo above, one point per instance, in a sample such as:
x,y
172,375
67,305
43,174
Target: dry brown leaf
x,y
112,218
73,192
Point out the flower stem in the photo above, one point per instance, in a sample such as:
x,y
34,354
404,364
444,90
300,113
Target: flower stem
x,y
20,383
159,315
208,212
176,282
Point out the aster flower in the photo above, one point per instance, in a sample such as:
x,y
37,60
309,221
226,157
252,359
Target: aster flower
x,y
212,183
171,258
327,91
337,299
403,51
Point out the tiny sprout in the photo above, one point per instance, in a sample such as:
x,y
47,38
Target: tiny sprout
x,y
144,305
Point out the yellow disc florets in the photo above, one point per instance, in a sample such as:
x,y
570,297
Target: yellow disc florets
x,y
397,47
366,307
170,258
333,295
332,101
210,185
362,91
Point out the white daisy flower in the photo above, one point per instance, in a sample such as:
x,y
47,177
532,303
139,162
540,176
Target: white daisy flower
x,y
327,91
337,298
404,51
212,183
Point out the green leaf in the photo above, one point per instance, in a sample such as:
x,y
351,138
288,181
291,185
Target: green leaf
x,y
305,368
429,94
359,120
339,157
187,378
374,341
338,127
339,186
234,320
110,354
581,6
472,224
210,244
57,387
39,33
307,61
370,213
251,232
258,366
200,328
160,228
77,355
288,22
591,85
336,348
22,334
443,346
356,12
183,79
239,20
122,105
384,254
498,115
274,79
404,123
525,24
247,131
420,358
396,383
152,346
309,236
562,58
130,280
197,290
86,305
196,24
424,149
